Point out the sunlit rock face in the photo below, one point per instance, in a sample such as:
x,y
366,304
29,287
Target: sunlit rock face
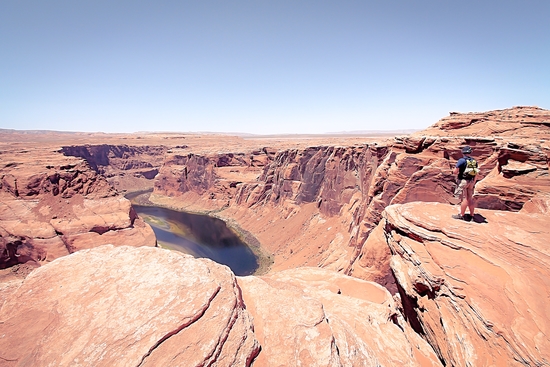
x,y
317,204
447,292
468,292
317,317
128,306
476,291
125,166
516,122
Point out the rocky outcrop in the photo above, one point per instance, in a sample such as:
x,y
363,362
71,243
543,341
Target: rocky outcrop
x,y
22,179
105,157
328,176
191,172
272,190
520,173
475,290
464,293
127,306
540,204
316,317
355,184
52,205
522,121
469,294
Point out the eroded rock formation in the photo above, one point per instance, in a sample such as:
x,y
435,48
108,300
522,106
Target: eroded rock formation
x,y
522,121
51,205
127,306
477,291
316,317
125,167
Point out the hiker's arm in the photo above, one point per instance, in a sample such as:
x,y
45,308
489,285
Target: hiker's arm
x,y
460,162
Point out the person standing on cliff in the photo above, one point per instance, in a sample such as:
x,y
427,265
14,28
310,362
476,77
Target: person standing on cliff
x,y
466,171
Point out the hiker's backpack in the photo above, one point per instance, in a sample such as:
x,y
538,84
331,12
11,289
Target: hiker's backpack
x,y
471,169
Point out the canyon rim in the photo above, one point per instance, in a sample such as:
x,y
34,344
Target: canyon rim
x,y
365,266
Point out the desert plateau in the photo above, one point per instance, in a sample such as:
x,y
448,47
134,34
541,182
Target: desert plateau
x,y
360,262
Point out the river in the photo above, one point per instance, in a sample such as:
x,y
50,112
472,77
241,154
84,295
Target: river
x,y
200,236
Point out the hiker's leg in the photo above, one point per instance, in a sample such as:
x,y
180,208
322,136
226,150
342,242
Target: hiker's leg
x,y
470,197
460,193
472,206
463,206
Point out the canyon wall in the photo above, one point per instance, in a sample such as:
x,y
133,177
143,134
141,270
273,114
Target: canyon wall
x,y
317,206
124,166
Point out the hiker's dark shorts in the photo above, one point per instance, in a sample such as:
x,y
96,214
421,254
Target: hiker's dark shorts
x,y
465,189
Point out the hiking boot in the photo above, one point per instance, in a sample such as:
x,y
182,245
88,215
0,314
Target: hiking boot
x,y
458,216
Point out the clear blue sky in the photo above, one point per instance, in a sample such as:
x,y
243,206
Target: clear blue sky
x,y
262,66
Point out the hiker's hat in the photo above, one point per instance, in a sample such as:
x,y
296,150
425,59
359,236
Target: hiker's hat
x,y
467,149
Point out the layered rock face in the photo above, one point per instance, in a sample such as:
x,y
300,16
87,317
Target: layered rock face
x,y
470,293
477,291
523,121
316,317
126,306
52,205
215,177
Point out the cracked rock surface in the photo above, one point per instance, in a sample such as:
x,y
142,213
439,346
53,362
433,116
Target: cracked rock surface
x,y
52,205
127,306
478,291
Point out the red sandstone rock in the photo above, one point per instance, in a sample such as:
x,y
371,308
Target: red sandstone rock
x,y
152,307
315,317
51,205
217,177
528,122
475,290
540,204
373,262
127,306
125,167
351,186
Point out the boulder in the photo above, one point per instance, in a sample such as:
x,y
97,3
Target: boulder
x,y
127,306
